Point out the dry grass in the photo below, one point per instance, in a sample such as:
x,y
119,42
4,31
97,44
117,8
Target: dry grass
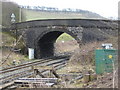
x,y
5,50
7,39
18,58
67,46
104,81
83,58
85,55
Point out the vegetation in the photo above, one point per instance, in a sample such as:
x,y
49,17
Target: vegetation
x,y
23,14
36,15
7,9
64,37
7,39
6,50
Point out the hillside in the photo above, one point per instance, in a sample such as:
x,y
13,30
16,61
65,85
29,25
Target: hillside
x,y
27,14
35,14
7,9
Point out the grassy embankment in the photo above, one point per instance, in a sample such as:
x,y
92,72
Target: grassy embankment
x,y
5,50
38,15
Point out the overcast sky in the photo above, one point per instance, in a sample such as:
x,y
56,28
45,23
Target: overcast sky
x,y
106,8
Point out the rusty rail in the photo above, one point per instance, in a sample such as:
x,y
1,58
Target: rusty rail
x,y
8,75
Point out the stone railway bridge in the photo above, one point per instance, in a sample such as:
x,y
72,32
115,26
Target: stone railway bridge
x,y
42,34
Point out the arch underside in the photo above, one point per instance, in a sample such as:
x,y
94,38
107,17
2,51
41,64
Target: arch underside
x,y
45,45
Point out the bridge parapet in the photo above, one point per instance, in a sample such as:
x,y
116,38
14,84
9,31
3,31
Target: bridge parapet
x,y
85,23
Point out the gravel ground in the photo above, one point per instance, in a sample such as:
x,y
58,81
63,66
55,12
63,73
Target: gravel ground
x,y
104,81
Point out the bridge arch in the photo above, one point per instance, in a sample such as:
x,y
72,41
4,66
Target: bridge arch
x,y
44,44
85,30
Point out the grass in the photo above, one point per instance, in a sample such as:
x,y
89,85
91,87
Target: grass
x,y
67,41
7,39
5,46
35,15
64,37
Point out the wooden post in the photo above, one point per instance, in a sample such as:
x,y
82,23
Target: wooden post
x,y
41,75
38,73
54,72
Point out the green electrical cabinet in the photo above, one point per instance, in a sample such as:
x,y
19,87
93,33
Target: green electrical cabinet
x,y
104,59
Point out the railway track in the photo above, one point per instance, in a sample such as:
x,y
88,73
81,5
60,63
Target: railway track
x,y
8,75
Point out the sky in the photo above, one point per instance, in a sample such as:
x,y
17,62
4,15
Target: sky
x,y
106,8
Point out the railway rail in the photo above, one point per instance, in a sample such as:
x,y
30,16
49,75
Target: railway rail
x,y
8,75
